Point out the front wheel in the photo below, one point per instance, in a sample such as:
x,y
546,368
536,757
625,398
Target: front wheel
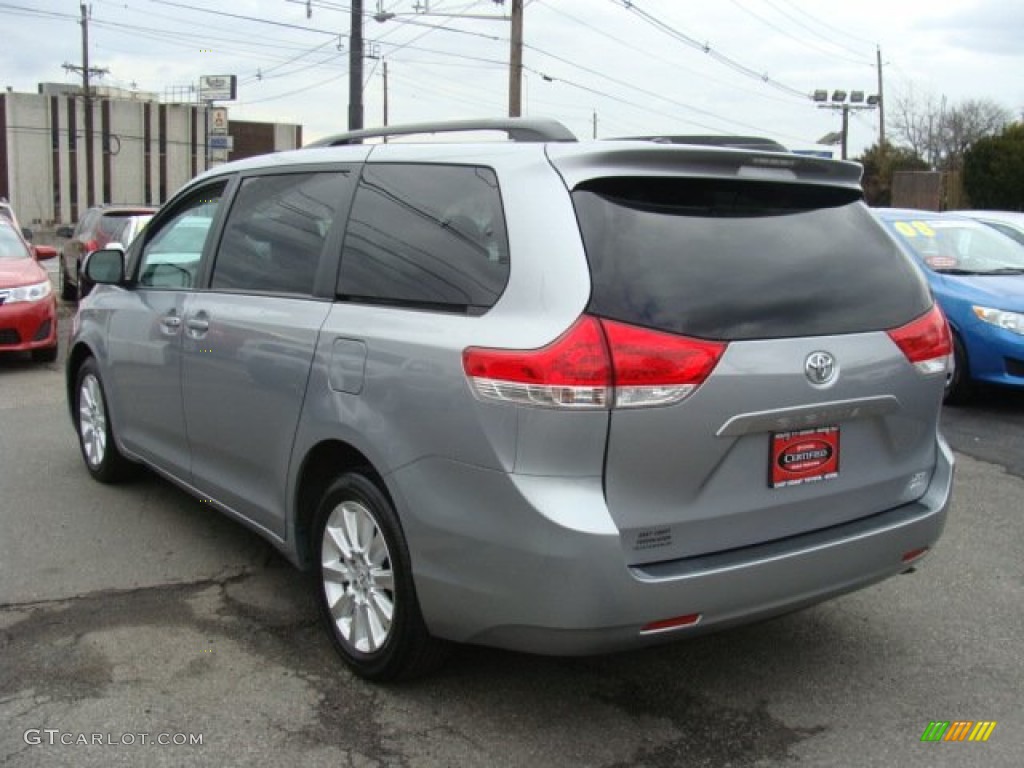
x,y
365,589
95,432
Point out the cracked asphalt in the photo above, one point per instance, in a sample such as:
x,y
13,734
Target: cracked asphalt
x,y
137,610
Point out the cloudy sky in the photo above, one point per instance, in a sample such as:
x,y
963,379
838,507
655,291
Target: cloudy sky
x,y
646,66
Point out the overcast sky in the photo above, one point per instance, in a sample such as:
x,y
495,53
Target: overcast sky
x,y
657,66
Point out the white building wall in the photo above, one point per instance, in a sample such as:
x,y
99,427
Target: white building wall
x,y
32,167
285,137
28,158
179,147
127,161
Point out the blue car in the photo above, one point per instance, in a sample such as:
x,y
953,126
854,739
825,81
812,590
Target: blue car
x,y
977,276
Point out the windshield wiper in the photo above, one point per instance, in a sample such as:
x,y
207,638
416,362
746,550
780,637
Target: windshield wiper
x,y
957,271
1004,271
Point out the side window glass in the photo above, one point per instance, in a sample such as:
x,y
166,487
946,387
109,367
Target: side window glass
x,y
276,230
426,236
170,259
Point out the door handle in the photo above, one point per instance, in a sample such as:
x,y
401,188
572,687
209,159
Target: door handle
x,y
171,322
198,324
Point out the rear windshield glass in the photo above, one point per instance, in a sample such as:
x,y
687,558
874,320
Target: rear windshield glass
x,y
733,260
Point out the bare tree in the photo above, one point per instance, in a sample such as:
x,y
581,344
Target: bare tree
x,y
940,133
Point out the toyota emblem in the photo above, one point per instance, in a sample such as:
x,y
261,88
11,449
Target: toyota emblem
x,y
821,369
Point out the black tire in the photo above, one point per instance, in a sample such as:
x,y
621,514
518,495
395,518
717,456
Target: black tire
x,y
371,583
45,355
95,431
68,292
959,387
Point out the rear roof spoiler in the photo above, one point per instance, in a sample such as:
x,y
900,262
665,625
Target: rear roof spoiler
x,y
520,129
710,140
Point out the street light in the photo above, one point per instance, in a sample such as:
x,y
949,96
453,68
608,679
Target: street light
x,y
839,102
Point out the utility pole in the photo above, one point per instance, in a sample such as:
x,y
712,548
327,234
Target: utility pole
x,y
595,123
86,71
881,101
515,72
355,68
385,95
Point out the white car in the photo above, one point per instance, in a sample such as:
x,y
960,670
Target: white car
x,y
1010,223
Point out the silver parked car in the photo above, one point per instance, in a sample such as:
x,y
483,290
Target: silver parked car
x,y
544,395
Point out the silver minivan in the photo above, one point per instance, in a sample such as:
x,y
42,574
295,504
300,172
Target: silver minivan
x,y
539,394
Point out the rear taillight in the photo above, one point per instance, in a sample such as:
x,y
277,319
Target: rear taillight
x,y
653,368
926,342
595,364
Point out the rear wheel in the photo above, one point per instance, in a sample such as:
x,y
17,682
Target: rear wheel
x,y
95,432
365,589
959,387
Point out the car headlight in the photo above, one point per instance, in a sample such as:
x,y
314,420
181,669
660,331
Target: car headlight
x,y
1011,321
29,292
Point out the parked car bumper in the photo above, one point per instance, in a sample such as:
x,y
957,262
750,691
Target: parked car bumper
x,y
28,325
995,355
555,579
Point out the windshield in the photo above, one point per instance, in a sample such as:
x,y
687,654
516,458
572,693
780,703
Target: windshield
x,y
11,246
959,247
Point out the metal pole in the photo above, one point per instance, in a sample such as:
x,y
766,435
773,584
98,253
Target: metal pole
x,y
385,94
515,70
881,100
355,68
846,126
90,169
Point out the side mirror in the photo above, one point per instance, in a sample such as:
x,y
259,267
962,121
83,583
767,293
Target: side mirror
x,y
65,232
42,252
105,267
26,233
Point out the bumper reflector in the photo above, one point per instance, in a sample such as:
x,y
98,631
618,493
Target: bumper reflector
x,y
666,625
913,554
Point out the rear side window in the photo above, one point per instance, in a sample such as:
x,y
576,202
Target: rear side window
x,y
426,236
734,260
276,230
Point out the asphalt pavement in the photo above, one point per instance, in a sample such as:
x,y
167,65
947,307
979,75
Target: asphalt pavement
x,y
133,615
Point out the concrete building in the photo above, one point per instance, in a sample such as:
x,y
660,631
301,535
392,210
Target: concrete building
x,y
140,151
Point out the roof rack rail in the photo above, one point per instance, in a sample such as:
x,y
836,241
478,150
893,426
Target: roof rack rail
x,y
527,129
734,142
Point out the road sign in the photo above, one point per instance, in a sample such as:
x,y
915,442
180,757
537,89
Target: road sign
x,y
222,142
219,121
218,87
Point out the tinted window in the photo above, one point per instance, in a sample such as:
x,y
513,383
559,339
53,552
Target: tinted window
x,y
171,256
742,260
426,236
275,232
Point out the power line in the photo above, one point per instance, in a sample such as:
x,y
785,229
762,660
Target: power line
x,y
791,36
649,54
795,18
706,48
816,20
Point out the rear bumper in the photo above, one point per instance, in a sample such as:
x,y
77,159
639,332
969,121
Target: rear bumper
x,y
499,568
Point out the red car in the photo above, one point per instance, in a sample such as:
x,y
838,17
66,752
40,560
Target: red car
x,y
28,306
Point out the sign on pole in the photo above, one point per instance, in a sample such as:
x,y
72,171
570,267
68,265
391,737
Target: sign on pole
x,y
218,87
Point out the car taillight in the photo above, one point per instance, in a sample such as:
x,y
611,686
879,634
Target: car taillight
x,y
655,368
926,342
595,364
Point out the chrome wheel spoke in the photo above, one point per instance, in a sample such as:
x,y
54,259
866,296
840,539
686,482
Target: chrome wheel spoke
x,y
92,421
358,582
336,572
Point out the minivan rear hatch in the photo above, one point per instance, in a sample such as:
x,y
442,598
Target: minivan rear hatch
x,y
815,414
